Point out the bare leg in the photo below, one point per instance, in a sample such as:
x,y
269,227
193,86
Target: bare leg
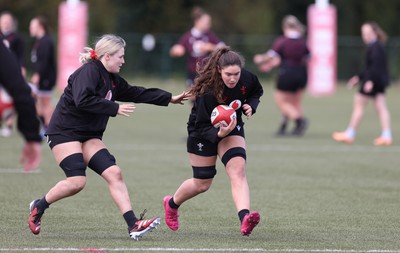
x,y
239,186
360,102
71,185
117,187
297,102
285,103
66,188
236,170
193,186
383,112
46,108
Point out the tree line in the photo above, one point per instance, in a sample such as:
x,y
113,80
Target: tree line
x,y
229,16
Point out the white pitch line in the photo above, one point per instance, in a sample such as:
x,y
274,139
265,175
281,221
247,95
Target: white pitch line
x,y
17,171
270,148
200,250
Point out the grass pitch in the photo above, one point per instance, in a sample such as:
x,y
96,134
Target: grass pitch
x,y
314,195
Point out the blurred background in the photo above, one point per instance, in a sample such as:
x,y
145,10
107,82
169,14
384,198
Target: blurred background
x,y
248,26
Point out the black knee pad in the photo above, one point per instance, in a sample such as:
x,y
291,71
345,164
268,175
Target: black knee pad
x,y
101,161
233,152
74,165
206,172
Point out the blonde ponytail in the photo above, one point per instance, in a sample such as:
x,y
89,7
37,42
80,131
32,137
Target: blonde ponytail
x,y
88,55
107,43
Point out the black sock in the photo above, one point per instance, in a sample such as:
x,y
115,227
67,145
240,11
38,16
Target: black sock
x,y
283,125
243,213
42,204
299,122
285,120
130,219
172,204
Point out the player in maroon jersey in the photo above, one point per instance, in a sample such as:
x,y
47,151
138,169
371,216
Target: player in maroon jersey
x,y
197,43
290,53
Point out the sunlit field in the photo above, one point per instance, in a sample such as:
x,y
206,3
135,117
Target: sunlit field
x,y
314,195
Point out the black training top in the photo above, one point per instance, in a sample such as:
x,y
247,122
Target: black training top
x,y
88,101
248,90
43,59
376,68
17,46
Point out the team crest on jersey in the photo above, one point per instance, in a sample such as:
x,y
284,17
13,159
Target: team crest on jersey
x,y
200,145
109,95
243,89
235,104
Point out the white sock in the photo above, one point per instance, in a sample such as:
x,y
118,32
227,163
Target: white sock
x,y
387,134
350,132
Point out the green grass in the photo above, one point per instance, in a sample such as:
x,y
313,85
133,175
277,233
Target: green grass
x,y
312,193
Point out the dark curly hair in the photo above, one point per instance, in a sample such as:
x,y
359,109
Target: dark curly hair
x,y
208,72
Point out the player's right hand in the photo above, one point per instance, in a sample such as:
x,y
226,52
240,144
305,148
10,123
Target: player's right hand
x,y
353,82
224,130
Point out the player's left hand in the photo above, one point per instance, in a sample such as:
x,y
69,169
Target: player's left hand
x,y
179,99
248,111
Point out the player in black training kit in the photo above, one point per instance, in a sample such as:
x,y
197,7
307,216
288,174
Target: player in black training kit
x,y
373,81
222,80
8,28
79,121
44,67
13,40
28,124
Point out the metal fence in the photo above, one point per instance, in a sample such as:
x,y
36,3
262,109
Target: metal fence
x,y
158,63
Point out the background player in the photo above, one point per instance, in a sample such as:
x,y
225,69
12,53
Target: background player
x,y
197,43
373,82
43,59
15,42
28,124
290,53
222,80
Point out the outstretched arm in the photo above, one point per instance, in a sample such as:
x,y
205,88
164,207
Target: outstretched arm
x,y
266,62
179,99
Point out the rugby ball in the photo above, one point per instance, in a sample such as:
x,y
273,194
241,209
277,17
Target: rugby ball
x,y
222,114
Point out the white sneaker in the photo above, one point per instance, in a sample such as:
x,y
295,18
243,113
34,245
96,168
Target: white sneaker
x,y
6,132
